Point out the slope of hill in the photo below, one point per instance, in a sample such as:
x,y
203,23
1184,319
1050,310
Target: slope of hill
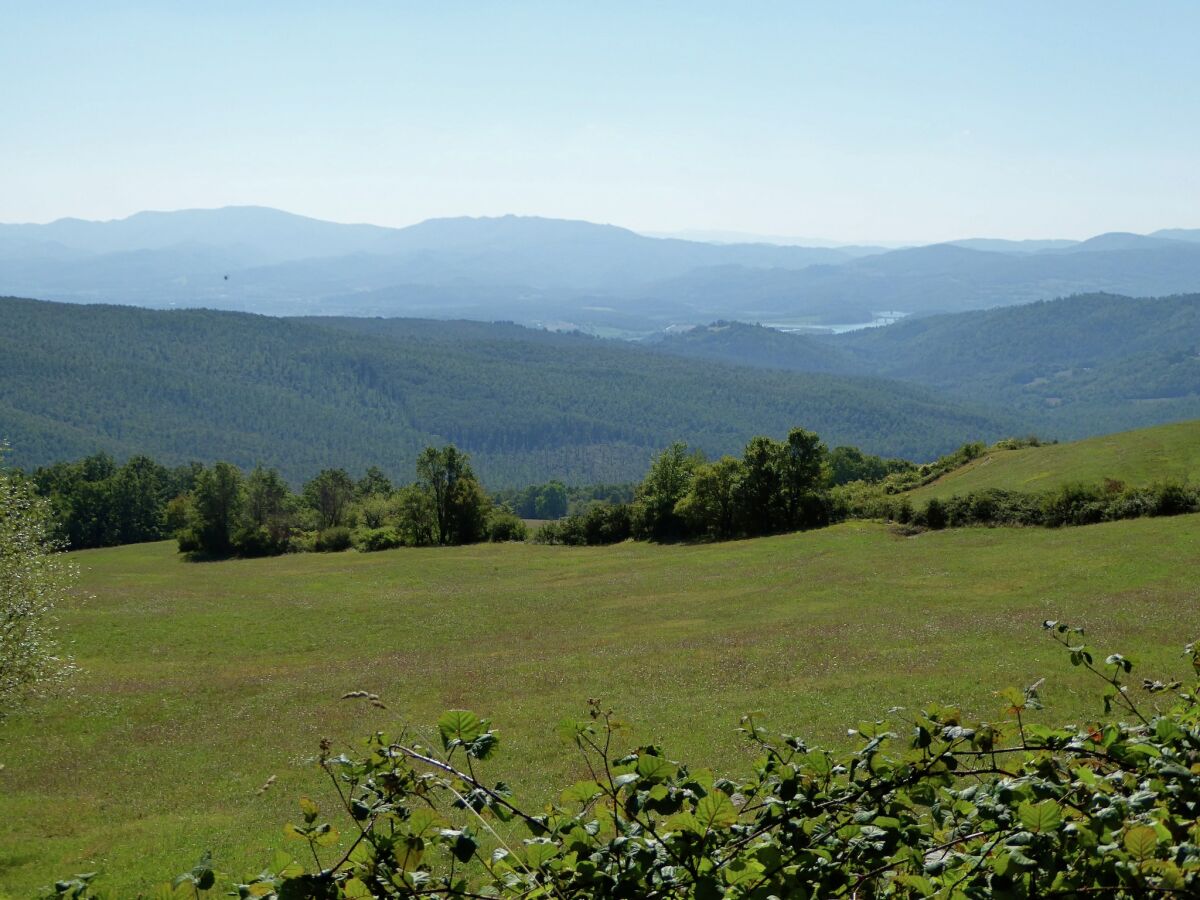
x,y
304,394
180,663
1066,368
1136,458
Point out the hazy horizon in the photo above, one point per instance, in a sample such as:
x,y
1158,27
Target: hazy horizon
x,y
857,124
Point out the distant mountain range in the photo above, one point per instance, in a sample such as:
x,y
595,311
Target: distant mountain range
x,y
563,274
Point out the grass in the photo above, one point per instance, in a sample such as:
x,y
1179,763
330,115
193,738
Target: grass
x,y
1138,458
201,680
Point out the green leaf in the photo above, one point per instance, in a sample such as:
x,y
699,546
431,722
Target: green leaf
x,y
538,851
1141,841
309,809
716,811
655,768
292,833
408,852
459,725
1040,817
462,843
354,889
581,792
423,822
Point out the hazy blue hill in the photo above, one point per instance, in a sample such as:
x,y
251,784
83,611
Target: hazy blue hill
x,y
1178,234
998,245
263,234
538,270
306,394
1119,240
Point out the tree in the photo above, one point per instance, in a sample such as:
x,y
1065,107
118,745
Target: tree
x,y
760,494
667,482
551,501
710,507
33,581
267,515
801,463
460,506
329,494
216,503
373,484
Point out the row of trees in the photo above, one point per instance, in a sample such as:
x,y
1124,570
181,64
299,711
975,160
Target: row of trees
x,y
256,514
775,486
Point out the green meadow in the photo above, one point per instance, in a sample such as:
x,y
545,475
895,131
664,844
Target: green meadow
x,y
200,681
1137,458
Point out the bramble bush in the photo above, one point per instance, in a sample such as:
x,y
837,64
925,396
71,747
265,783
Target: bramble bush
x,y
928,805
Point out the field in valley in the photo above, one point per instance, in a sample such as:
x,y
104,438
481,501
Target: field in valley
x,y
200,681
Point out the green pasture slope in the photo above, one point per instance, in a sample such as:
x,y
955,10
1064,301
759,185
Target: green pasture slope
x,y
1138,458
201,680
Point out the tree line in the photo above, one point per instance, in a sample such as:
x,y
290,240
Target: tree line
x,y
222,510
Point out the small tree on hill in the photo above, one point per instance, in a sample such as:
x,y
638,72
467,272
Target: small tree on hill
x,y
330,494
33,581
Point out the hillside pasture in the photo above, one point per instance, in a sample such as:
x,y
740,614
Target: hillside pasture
x,y
200,681
1136,458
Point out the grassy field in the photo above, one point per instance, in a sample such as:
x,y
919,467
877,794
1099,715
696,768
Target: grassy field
x,y
201,680
1163,453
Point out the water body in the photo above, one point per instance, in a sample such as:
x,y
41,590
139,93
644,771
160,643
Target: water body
x,y
885,317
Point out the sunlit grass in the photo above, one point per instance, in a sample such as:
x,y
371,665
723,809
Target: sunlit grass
x,y
1137,458
200,681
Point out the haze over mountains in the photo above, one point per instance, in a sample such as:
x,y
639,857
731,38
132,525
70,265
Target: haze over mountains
x,y
571,274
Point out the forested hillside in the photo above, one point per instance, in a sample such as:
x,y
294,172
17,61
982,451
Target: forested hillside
x,y
1066,368
303,395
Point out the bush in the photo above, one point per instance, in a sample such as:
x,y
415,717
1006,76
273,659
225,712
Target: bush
x,y
251,540
370,540
934,515
506,526
333,540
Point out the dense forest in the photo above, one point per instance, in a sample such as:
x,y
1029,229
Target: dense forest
x,y
1071,367
304,395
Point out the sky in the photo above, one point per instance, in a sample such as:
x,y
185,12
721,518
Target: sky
x,y
847,121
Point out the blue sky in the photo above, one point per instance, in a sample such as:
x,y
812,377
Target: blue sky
x,y
850,121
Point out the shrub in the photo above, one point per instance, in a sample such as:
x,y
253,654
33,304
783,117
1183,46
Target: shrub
x,y
934,515
506,526
260,540
370,540
332,540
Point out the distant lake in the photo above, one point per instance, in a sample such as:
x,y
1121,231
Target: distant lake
x,y
885,317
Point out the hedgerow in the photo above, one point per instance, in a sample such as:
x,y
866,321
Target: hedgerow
x,y
926,805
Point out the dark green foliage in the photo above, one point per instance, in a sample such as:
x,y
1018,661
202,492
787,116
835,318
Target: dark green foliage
x,y
925,804
460,505
100,504
217,503
329,495
847,464
602,523
553,500
934,515
667,482
333,540
504,525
